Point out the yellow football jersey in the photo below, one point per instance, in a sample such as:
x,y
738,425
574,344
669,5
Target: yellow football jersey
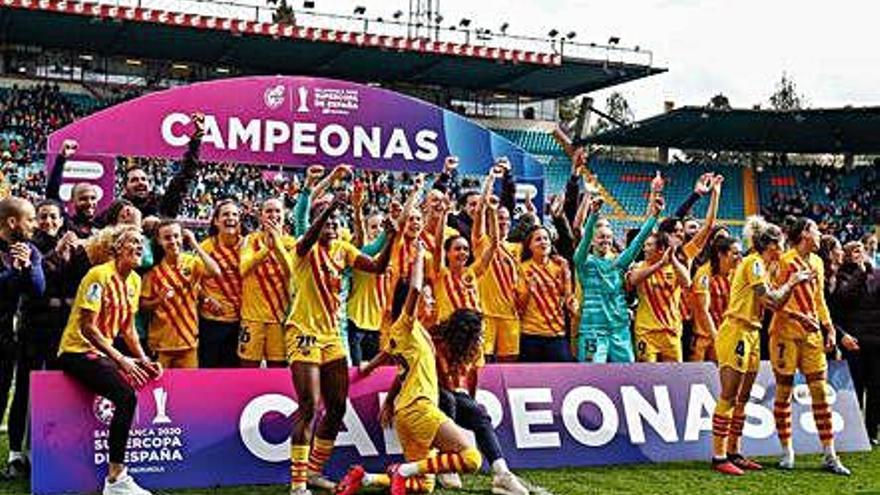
x,y
543,314
807,298
410,346
266,290
744,304
456,292
318,279
115,301
659,306
368,297
226,288
497,285
175,323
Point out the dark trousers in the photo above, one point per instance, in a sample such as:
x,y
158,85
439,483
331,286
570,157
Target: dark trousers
x,y
363,345
865,370
100,375
39,337
218,343
464,410
534,349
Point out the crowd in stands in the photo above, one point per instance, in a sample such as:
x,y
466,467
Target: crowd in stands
x,y
849,211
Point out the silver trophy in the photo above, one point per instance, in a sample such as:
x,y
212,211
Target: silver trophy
x,y
161,398
303,99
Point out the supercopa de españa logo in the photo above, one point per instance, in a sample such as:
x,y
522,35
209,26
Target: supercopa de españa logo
x,y
150,449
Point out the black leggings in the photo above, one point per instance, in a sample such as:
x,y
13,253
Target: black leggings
x,y
218,343
103,377
464,410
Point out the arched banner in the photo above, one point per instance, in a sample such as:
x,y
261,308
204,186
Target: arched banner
x,y
294,121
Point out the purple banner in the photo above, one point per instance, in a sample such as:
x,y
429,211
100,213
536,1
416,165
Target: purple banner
x,y
187,433
294,121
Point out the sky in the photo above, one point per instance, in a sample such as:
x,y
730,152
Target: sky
x,y
738,48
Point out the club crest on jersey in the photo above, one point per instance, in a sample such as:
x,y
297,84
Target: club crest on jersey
x,y
757,269
93,294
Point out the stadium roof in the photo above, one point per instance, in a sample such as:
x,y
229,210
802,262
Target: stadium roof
x,y
265,48
839,130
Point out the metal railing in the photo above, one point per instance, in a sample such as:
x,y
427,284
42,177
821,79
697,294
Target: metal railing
x,y
396,25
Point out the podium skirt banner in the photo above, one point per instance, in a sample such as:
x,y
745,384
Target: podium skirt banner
x,y
205,428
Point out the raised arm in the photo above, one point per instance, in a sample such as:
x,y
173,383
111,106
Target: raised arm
x,y
358,198
701,188
305,243
629,254
494,242
53,186
212,269
439,248
593,206
695,245
478,228
365,263
169,205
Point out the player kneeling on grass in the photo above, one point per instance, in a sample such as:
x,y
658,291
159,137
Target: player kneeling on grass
x,y
738,342
105,305
419,423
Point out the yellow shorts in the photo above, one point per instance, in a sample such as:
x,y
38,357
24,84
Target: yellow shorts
x,y
806,354
500,336
258,340
187,358
658,346
738,346
417,425
314,349
703,349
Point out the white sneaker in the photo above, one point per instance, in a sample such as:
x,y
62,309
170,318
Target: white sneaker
x,y
508,484
833,465
300,491
124,485
451,481
786,463
320,482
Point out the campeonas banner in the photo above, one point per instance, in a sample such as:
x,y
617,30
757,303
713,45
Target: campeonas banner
x,y
294,121
231,427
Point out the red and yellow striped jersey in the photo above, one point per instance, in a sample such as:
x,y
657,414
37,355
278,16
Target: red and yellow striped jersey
x,y
807,298
175,323
497,285
266,291
543,288
744,304
318,279
456,291
715,288
114,299
403,253
226,288
659,301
